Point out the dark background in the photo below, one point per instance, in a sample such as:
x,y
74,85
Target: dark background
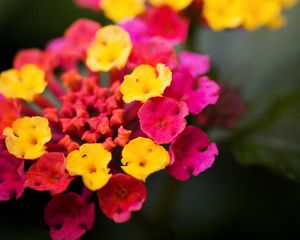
x,y
253,189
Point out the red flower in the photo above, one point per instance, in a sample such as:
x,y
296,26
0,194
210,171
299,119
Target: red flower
x,y
48,174
120,196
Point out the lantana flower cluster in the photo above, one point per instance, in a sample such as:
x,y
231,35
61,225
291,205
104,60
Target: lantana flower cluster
x,y
217,14
109,105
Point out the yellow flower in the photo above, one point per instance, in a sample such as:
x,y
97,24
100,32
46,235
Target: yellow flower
x,y
24,83
27,137
145,82
90,162
177,5
110,49
118,10
142,157
259,13
221,14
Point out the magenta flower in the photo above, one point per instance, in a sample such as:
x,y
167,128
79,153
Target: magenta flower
x,y
152,52
137,28
196,64
48,174
122,195
68,216
191,153
197,98
12,175
163,118
166,23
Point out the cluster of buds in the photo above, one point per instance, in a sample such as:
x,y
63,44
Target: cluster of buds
x,y
217,14
108,105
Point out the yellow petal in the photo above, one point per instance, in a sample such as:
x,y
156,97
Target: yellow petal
x,y
177,5
27,137
142,157
91,162
110,49
118,10
24,83
144,83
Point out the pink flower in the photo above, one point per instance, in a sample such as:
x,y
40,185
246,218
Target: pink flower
x,y
91,4
122,195
166,23
163,118
81,34
12,175
137,28
191,153
68,216
48,174
196,64
197,98
152,52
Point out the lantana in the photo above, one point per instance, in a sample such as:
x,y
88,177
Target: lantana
x,y
107,108
217,14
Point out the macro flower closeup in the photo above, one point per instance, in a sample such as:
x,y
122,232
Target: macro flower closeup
x,y
102,110
149,119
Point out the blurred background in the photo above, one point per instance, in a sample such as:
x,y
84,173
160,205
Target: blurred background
x,y
252,191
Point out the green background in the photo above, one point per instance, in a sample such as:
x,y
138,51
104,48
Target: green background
x,y
253,189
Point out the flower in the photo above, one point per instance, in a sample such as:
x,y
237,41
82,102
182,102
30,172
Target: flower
x,y
170,26
191,153
249,14
142,157
68,216
48,174
122,195
110,49
145,82
118,10
175,4
24,83
120,100
163,118
90,162
197,98
152,52
27,137
12,175
196,64
12,110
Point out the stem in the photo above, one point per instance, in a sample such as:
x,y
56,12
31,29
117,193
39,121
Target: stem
x,y
28,111
42,102
54,86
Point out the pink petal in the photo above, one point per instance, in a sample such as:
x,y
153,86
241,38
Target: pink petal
x,y
196,64
197,98
122,195
206,94
163,118
48,174
12,175
81,34
68,216
191,153
152,52
136,27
